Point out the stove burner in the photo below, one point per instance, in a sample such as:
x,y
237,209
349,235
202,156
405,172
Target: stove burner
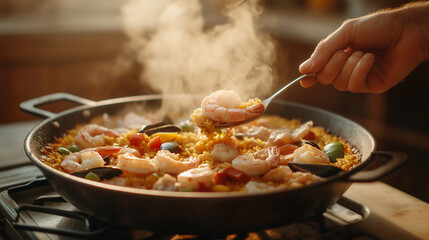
x,y
35,211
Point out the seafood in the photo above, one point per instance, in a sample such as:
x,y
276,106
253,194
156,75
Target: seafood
x,y
169,162
280,137
311,155
130,163
165,183
87,158
253,166
258,187
224,152
278,174
92,135
224,106
270,153
197,178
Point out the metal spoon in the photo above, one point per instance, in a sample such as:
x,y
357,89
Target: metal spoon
x,y
266,102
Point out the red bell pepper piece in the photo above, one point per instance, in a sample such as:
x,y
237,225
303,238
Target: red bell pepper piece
x,y
236,175
108,150
309,136
136,139
155,142
220,177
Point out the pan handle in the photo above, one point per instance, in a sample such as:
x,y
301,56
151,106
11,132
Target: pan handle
x,y
31,106
395,160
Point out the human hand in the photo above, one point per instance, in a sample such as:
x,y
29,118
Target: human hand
x,y
372,53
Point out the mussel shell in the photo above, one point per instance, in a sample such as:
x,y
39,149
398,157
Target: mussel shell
x,y
173,147
101,172
320,170
311,143
159,127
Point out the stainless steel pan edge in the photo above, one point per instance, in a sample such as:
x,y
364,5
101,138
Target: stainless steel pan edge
x,y
175,208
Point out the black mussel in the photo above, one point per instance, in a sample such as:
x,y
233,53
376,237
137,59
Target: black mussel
x,y
159,127
101,172
173,147
316,169
311,143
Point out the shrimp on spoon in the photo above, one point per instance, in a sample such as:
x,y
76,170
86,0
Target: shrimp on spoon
x,y
226,109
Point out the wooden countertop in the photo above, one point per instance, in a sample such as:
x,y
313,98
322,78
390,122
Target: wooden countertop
x,y
393,213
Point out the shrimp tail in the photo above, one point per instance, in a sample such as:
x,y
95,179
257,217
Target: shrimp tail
x,y
255,110
273,156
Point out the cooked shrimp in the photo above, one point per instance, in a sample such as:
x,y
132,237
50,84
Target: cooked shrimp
x,y
169,162
224,152
165,183
92,135
310,154
253,166
130,163
278,174
258,187
81,160
259,132
196,178
224,106
280,137
131,151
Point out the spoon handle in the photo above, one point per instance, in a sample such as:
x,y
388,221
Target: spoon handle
x,y
268,100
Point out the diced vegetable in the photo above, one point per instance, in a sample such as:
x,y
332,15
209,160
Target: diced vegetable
x,y
220,188
185,190
74,148
63,151
309,136
187,126
334,150
136,139
220,177
92,176
165,136
104,152
155,142
236,175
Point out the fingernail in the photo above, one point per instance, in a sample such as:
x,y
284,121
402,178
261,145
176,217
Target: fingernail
x,y
305,66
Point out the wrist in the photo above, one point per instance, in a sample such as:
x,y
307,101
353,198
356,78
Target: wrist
x,y
416,17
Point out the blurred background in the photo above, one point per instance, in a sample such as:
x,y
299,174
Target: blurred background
x,y
49,46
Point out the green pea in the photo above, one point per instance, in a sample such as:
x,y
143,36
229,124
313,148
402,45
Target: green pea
x,y
92,176
63,151
74,148
187,126
334,150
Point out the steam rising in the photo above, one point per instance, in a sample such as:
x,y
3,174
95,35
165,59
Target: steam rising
x,y
180,54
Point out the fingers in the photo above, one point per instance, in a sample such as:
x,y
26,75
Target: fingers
x,y
308,81
342,80
357,81
347,71
330,72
